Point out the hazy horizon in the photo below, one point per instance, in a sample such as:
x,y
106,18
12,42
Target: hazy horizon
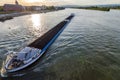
x,y
61,2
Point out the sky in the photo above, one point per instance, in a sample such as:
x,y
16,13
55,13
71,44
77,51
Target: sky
x,y
61,2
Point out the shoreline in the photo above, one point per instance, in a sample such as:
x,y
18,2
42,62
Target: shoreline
x,y
4,17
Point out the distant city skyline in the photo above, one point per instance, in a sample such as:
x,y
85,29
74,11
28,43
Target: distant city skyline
x,y
60,2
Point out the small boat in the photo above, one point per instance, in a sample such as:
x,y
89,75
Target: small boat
x,y
16,61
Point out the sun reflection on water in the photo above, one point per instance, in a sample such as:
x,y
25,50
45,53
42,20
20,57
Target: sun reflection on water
x,y
36,20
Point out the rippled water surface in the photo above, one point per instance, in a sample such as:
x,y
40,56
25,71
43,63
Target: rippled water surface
x,y
88,49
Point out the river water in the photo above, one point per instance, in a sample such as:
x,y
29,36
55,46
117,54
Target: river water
x,y
88,48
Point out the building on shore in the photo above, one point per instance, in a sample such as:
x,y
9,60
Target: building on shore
x,y
38,8
13,7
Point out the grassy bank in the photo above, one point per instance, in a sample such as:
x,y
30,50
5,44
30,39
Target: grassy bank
x,y
98,8
118,8
1,8
95,8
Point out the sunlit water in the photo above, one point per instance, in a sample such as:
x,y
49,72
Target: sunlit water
x,y
88,49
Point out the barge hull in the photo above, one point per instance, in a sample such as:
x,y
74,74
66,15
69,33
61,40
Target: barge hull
x,y
41,42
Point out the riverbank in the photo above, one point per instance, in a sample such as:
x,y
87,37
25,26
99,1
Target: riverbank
x,y
99,8
102,8
4,17
94,8
8,16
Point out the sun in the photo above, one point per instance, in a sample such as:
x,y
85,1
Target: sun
x,y
34,1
